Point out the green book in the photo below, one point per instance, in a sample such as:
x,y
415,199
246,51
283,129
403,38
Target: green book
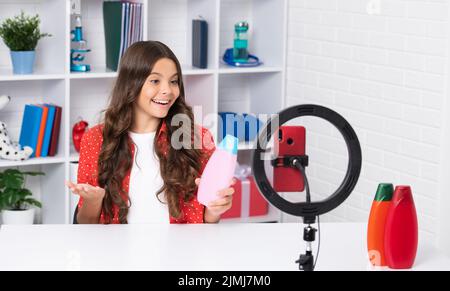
x,y
112,21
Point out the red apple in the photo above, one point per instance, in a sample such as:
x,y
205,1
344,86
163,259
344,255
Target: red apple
x,y
78,130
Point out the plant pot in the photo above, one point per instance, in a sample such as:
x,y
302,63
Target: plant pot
x,y
22,61
18,216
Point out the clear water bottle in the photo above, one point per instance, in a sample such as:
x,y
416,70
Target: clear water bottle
x,y
240,48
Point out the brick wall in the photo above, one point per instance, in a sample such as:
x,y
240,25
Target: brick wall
x,y
382,65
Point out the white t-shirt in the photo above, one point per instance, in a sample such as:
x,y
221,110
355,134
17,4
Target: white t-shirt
x,y
145,181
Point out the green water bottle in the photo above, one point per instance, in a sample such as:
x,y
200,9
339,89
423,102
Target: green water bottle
x,y
240,48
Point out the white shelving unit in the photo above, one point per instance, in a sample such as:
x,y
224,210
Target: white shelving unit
x,y
258,90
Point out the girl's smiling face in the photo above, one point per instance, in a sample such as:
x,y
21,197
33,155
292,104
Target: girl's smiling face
x,y
160,90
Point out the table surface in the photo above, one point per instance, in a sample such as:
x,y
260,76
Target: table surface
x,y
240,246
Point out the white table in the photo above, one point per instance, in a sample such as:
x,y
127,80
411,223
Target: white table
x,y
272,246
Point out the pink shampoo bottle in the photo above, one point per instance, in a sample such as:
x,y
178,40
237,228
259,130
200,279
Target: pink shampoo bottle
x,y
219,170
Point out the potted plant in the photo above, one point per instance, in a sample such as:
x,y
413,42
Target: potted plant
x,y
21,34
15,200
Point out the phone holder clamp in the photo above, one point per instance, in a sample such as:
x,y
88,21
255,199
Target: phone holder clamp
x,y
288,161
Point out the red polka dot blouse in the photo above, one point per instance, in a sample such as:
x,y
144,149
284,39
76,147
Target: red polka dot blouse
x,y
91,143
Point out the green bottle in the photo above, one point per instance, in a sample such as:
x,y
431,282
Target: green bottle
x,y
240,48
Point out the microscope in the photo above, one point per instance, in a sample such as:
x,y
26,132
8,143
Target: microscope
x,y
78,48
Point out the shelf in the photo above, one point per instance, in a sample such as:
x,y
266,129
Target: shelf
x,y
189,71
50,52
271,217
246,145
74,156
103,72
32,161
7,75
225,69
219,87
251,145
95,73
255,93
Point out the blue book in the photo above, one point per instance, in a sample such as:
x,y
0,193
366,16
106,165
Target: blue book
x,y
31,123
48,129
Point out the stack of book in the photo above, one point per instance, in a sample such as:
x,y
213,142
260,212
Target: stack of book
x,y
40,129
123,26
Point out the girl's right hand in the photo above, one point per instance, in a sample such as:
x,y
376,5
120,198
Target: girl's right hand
x,y
88,192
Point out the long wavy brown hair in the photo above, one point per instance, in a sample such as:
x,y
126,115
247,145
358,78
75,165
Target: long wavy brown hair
x,y
179,167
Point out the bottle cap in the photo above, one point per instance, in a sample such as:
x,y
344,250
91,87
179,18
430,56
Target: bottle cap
x,y
229,144
78,21
403,192
241,26
384,192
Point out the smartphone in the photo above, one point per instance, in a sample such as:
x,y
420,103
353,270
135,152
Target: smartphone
x,y
290,140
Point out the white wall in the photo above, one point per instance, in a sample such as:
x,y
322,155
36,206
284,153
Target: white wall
x,y
382,64
444,201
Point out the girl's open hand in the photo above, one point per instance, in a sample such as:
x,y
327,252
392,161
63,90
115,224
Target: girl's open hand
x,y
88,192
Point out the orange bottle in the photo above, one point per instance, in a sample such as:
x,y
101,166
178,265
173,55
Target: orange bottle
x,y
377,224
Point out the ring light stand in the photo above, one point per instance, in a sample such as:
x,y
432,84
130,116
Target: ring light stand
x,y
308,210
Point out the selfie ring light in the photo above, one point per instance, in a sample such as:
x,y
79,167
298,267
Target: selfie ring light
x,y
305,209
308,210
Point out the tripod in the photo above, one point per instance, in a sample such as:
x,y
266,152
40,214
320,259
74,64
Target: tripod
x,y
308,210
305,261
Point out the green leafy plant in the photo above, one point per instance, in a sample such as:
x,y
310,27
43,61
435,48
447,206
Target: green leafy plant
x,y
21,33
13,195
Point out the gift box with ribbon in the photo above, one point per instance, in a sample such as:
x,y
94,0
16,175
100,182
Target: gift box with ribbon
x,y
247,200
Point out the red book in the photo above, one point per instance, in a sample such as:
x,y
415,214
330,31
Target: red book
x,y
55,132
